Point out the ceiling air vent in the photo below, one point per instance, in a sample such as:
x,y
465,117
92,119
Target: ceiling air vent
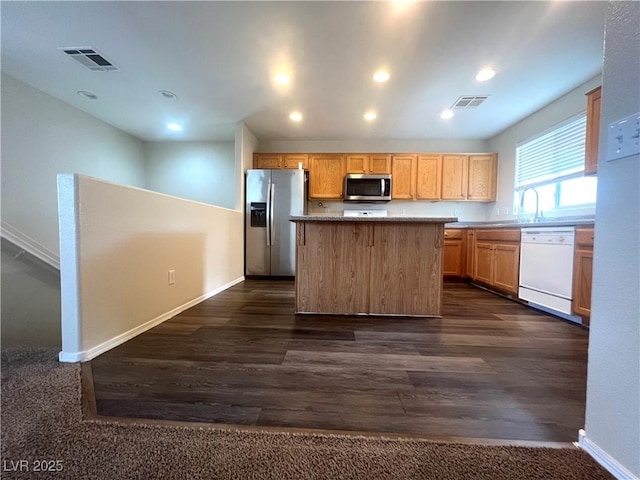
x,y
90,58
469,101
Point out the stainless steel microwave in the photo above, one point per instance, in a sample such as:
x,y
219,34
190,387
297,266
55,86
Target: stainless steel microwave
x,y
359,187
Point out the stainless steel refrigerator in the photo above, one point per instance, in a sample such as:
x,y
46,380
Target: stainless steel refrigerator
x,y
270,238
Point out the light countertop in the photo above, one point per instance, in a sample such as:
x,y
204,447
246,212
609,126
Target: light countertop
x,y
393,219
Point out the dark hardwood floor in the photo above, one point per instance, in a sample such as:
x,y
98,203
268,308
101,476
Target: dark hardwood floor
x,y
489,368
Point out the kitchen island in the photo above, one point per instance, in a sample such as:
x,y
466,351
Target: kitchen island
x,y
369,265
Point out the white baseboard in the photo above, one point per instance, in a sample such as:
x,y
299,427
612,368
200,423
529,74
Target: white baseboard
x,y
604,459
28,244
86,355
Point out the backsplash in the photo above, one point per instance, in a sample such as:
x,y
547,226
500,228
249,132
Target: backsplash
x,y
465,211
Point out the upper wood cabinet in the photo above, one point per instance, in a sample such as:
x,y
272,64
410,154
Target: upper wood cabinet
x,y
593,132
469,177
267,160
326,175
280,160
428,175
422,176
368,163
454,177
403,174
483,175
294,160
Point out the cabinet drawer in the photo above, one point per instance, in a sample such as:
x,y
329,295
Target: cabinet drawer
x,y
498,234
453,234
584,236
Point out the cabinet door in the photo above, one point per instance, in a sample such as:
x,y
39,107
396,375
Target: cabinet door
x,y
267,160
482,178
403,174
337,261
582,277
471,247
593,132
429,175
379,163
326,176
452,265
454,177
357,164
506,267
293,160
483,258
406,269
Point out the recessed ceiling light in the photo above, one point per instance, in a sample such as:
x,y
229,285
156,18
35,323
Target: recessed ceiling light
x,y
174,127
295,116
86,94
168,94
485,74
446,114
282,78
370,116
381,76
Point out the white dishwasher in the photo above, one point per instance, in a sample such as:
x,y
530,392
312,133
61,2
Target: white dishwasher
x,y
546,267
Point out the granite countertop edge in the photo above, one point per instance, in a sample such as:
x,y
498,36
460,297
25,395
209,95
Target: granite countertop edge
x,y
400,218
518,224
450,222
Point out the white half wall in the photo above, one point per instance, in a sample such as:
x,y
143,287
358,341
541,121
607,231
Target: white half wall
x,y
118,244
612,419
200,171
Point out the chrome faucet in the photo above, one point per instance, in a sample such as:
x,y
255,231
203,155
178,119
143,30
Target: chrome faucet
x,y
537,214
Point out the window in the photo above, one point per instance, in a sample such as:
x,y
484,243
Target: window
x,y
552,164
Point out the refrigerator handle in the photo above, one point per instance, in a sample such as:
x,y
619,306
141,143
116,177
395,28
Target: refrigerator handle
x,y
269,215
272,232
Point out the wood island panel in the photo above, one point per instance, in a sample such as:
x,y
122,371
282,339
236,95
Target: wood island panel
x,y
332,267
406,269
369,267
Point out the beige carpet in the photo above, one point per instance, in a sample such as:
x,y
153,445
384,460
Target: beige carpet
x,y
41,420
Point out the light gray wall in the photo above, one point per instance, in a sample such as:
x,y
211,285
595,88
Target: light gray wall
x,y
613,380
200,171
505,143
375,145
42,137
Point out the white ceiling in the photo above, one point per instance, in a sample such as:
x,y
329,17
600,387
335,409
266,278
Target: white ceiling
x,y
219,58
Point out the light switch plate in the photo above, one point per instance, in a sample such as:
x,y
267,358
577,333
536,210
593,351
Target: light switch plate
x,y
623,137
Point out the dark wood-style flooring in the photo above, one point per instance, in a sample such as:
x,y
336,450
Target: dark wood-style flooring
x,y
489,368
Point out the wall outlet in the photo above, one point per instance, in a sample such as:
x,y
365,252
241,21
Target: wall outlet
x,y
456,212
506,210
171,277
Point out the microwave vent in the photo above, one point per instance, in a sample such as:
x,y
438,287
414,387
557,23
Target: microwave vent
x,y
90,58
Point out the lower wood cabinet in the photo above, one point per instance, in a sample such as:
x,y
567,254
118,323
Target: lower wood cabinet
x,y
497,258
470,247
582,272
453,264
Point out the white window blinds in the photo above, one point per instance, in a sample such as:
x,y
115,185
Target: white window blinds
x,y
555,155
